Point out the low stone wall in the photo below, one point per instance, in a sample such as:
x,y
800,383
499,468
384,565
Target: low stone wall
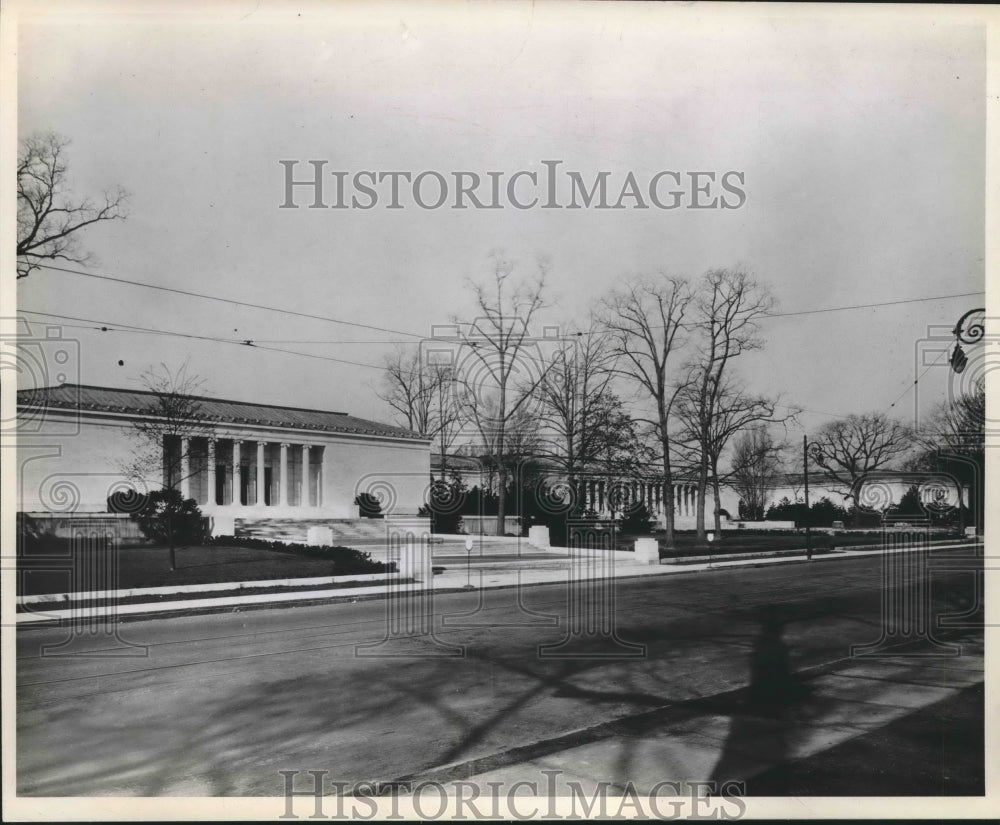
x,y
487,525
756,525
66,525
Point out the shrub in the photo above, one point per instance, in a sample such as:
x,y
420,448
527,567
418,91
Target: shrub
x,y
127,501
32,539
346,560
368,505
169,518
636,520
909,504
822,513
445,505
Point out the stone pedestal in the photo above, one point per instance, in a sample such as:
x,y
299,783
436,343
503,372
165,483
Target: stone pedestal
x,y
223,526
538,536
647,551
414,559
320,536
409,540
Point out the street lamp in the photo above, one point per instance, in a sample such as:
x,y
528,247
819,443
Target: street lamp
x,y
966,334
468,564
805,472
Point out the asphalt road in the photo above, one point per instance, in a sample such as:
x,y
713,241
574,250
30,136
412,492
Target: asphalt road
x,y
218,704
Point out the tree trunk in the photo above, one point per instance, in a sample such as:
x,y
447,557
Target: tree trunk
x,y
502,498
718,507
668,511
668,487
700,505
170,540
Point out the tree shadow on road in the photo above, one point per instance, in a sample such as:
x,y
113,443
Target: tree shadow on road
x,y
771,707
229,728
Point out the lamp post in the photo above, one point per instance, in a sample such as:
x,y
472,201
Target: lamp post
x,y
468,564
964,333
805,472
441,423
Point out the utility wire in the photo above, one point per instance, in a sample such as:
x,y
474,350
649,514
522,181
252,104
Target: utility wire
x,y
870,306
105,326
233,301
261,345
917,379
102,326
296,313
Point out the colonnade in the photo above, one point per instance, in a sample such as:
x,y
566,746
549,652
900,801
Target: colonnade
x,y
600,494
252,474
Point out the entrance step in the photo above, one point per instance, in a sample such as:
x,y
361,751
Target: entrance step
x,y
296,531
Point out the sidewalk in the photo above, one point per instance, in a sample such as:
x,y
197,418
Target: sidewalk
x,y
542,567
918,723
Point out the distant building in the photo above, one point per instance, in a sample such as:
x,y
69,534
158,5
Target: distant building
x,y
250,462
602,493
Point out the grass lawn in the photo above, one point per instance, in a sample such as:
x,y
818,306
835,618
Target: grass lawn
x,y
144,566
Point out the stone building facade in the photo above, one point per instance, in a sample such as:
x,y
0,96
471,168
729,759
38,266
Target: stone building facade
x,y
242,460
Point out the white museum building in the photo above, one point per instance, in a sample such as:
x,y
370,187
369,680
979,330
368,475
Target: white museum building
x,y
245,461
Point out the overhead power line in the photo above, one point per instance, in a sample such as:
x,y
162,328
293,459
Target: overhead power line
x,y
111,326
917,379
296,313
233,301
105,326
877,304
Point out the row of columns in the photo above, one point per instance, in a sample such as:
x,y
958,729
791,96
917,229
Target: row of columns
x,y
594,496
283,478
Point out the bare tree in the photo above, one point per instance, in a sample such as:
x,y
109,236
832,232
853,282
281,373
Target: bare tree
x,y
163,435
49,218
730,304
575,394
953,440
958,426
499,370
851,447
755,468
707,429
645,319
422,395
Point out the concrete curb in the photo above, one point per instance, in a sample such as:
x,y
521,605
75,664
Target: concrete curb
x,y
301,598
206,605
180,589
817,551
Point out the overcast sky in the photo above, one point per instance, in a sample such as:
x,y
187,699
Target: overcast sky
x,y
862,147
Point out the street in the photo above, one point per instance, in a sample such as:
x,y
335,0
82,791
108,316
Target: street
x,y
221,703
